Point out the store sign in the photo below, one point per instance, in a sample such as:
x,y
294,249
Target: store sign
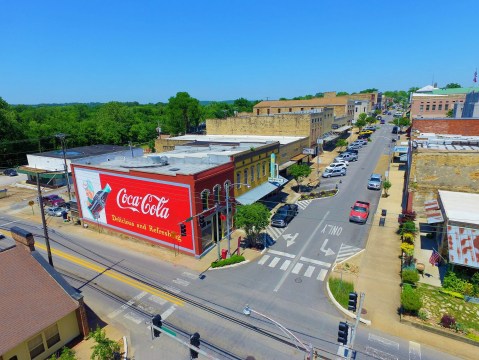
x,y
144,207
308,151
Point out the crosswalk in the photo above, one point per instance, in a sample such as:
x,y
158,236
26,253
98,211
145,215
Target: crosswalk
x,y
274,232
306,267
303,204
346,251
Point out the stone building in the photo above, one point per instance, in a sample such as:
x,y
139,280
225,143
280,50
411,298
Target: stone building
x,y
341,105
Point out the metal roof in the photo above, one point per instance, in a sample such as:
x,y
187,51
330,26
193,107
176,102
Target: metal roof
x,y
83,151
239,138
460,206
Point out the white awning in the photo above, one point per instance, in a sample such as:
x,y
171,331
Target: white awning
x,y
259,192
342,128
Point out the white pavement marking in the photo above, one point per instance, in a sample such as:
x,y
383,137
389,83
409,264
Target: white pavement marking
x,y
274,232
280,253
172,289
322,274
305,246
378,354
181,282
285,264
346,251
190,275
297,268
317,262
133,317
383,341
309,271
274,262
263,259
168,312
303,204
414,351
157,300
126,305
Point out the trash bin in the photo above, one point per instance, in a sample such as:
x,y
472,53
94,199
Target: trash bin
x,y
383,212
224,253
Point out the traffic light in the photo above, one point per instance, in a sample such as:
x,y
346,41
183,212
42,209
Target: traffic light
x,y
353,301
158,323
343,333
195,341
201,221
183,229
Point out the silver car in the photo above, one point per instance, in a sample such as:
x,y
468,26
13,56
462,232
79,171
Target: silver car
x,y
328,172
55,211
374,182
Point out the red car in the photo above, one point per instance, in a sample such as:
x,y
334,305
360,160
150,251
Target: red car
x,y
53,200
359,212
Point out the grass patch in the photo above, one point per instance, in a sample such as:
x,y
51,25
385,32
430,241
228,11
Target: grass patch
x,y
234,259
340,290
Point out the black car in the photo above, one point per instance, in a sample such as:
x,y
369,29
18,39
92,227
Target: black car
x,y
10,172
284,215
396,130
352,151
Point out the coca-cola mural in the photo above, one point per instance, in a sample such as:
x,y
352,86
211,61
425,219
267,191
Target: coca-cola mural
x,y
147,207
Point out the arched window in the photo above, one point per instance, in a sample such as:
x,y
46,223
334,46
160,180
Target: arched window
x,y
238,180
245,173
227,186
258,171
204,198
216,193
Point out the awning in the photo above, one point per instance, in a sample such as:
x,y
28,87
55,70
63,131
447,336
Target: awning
x,y
286,165
43,173
433,212
330,138
298,157
342,128
401,149
258,192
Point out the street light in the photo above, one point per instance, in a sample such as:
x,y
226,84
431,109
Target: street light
x,y
62,136
227,198
308,349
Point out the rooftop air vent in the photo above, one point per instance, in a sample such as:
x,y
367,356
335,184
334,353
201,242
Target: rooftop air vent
x,y
174,169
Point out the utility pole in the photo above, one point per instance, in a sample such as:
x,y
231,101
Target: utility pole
x,y
217,229
62,136
45,229
228,235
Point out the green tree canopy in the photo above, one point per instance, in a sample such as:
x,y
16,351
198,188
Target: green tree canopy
x,y
252,219
360,123
386,186
404,122
183,111
371,120
299,172
341,143
452,86
362,116
342,93
104,347
413,89
370,90
450,113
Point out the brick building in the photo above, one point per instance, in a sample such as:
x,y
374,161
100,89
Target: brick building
x,y
443,125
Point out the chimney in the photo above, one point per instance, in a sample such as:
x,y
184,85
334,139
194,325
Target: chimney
x,y
23,237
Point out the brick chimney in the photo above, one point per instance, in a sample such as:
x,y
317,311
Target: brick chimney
x,y
23,237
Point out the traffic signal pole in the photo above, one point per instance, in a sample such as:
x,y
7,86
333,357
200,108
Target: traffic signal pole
x,y
354,328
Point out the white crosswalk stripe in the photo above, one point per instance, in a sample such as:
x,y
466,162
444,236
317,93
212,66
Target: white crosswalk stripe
x,y
274,262
346,251
285,265
303,204
274,232
297,268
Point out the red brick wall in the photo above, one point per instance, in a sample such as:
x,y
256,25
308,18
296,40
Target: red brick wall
x,y
468,127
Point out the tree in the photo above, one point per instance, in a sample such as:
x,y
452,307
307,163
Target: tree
x,y
452,86
66,354
450,113
386,185
252,218
299,172
413,89
341,143
362,116
105,348
360,123
341,93
371,120
183,111
404,122
366,91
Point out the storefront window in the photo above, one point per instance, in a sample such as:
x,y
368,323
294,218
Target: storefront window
x,y
216,193
204,199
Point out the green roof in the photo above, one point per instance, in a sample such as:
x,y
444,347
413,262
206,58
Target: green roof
x,y
455,91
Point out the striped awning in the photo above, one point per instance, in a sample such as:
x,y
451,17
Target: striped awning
x,y
433,212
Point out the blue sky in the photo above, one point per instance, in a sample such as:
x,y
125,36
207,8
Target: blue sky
x,y
146,51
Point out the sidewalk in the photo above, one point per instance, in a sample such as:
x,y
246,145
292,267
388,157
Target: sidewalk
x,y
379,275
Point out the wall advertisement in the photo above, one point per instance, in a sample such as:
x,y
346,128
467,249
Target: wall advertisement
x,y
148,208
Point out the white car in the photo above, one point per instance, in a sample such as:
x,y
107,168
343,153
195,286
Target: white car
x,y
339,160
334,172
336,165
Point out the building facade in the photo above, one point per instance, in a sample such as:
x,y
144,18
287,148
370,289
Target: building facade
x,y
341,106
449,126
361,106
470,107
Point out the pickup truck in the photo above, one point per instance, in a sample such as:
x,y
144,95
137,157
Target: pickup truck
x,y
359,212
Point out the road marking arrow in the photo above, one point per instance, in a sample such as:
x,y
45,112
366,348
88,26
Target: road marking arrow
x,y
290,239
326,252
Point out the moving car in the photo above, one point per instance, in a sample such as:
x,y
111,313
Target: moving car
x,y
55,211
359,212
374,182
346,156
334,172
284,215
53,200
10,172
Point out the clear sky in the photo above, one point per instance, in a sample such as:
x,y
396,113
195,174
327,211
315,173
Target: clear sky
x,y
146,51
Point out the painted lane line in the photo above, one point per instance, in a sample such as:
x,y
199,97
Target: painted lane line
x,y
157,300
168,312
274,262
172,289
297,268
285,264
133,317
378,354
263,259
296,259
126,305
280,253
181,282
322,274
414,351
384,341
317,262
114,275
309,271
190,275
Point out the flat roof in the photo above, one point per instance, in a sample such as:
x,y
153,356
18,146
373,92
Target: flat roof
x,y
83,151
283,140
460,207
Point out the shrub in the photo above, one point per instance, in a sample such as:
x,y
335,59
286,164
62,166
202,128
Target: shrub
x,y
410,299
468,289
452,293
408,238
232,260
408,227
452,282
475,278
424,314
407,248
448,321
410,276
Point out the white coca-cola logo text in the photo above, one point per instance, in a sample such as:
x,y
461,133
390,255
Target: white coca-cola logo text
x,y
148,205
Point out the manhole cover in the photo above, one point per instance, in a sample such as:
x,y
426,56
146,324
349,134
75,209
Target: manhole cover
x,y
364,311
298,280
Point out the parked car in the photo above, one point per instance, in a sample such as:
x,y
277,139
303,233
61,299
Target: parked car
x,y
10,172
334,172
53,200
364,132
364,136
336,165
346,156
354,147
359,212
362,141
352,151
55,211
341,161
284,215
374,182
369,128
357,144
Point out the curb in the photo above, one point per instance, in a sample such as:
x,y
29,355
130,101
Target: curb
x,y
326,197
229,266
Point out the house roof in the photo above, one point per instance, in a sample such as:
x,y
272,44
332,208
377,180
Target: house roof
x,y
465,90
325,101
83,151
31,299
460,207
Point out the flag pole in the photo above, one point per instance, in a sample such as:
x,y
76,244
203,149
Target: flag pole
x,y
437,252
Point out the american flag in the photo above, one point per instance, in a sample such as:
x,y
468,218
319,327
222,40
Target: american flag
x,y
475,76
435,257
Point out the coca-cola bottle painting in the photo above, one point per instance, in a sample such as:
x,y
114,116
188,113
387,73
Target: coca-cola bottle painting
x,y
98,202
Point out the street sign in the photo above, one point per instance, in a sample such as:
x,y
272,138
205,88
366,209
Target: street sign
x,y
308,151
